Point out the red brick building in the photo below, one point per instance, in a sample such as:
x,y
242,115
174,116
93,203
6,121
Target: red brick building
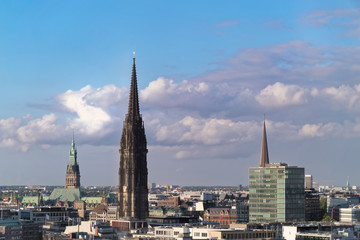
x,y
223,216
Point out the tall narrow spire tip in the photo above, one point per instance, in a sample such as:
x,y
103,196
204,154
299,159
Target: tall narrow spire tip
x,y
264,156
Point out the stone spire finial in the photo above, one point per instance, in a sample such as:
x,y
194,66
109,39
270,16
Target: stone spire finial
x,y
264,158
133,110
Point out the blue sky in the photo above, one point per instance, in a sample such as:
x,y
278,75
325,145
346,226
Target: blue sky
x,y
207,72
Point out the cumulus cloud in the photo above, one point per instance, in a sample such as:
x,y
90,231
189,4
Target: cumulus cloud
x,y
106,96
40,130
8,142
319,130
165,92
217,108
212,131
280,95
91,119
8,126
343,95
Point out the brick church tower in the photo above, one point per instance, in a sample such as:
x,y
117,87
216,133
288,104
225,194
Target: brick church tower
x,y
72,169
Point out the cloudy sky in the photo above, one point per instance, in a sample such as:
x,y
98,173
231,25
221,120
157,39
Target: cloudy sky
x,y
208,71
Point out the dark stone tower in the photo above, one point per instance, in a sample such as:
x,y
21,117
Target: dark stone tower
x,y
73,170
133,173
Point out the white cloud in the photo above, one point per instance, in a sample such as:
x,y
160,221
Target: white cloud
x,y
206,131
167,93
281,95
40,130
8,142
8,126
312,130
91,119
106,96
343,95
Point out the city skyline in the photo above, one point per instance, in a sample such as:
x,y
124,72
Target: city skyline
x,y
207,73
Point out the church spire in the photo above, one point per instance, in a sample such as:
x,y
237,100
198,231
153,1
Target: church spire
x,y
264,158
133,110
73,152
72,169
347,185
133,173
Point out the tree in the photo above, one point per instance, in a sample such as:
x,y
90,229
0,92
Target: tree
x,y
327,218
323,207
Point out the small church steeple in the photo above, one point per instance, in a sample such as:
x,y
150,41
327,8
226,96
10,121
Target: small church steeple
x,y
347,185
264,157
73,152
73,170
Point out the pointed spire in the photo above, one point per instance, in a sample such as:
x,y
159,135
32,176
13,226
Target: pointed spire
x,y
347,185
264,158
73,152
133,110
73,140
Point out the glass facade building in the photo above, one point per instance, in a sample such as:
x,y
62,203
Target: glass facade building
x,y
276,193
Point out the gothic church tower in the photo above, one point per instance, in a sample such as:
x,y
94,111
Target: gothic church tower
x,y
73,170
133,173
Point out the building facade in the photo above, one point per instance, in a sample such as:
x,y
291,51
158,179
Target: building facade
x,y
72,169
312,206
308,181
133,173
276,190
223,216
349,215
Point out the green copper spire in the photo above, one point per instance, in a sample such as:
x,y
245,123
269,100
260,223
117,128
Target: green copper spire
x,y
73,152
347,185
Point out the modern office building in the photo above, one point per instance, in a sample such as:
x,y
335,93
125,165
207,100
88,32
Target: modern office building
x,y
276,190
312,205
349,215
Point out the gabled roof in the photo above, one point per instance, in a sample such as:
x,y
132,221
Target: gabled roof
x,y
65,194
92,199
31,199
100,208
